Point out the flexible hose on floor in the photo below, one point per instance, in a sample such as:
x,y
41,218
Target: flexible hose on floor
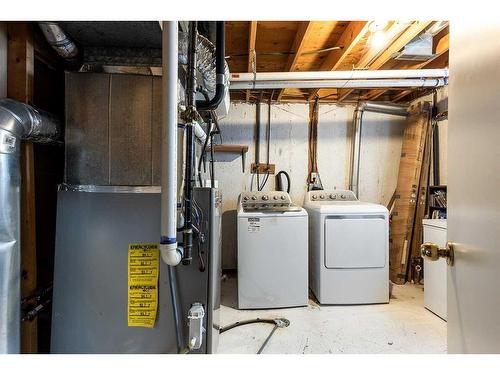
x,y
278,323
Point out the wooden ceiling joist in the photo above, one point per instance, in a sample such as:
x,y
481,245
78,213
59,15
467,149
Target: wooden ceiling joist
x,y
285,46
407,36
299,43
252,37
349,38
441,46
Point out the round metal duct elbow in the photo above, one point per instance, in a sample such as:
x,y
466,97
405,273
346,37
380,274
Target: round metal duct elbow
x,y
58,39
28,123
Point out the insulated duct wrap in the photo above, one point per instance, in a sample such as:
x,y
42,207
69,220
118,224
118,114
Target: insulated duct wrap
x,y
17,121
205,61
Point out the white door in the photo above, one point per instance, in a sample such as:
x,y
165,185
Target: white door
x,y
474,187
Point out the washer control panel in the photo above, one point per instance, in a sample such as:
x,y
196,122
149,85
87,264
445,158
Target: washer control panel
x,y
267,201
330,195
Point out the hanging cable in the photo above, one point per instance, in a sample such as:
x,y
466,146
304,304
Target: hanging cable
x,y
279,185
268,141
203,150
313,178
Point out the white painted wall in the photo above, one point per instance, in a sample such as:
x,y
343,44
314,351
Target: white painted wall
x,y
3,60
381,149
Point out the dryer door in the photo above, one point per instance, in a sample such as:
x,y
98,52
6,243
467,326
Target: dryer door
x,y
356,241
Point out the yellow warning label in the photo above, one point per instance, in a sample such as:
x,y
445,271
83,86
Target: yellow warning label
x,y
143,269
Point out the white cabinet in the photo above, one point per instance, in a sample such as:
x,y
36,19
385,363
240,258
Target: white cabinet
x,y
435,272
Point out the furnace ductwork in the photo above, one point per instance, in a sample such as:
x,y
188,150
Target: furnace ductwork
x,y
18,122
376,107
205,61
58,39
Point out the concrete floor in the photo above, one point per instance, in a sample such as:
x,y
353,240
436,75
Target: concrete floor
x,y
402,326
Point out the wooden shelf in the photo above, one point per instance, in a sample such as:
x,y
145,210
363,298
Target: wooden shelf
x,y
231,148
235,149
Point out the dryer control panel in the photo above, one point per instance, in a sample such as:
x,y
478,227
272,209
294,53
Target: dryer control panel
x,y
267,201
330,195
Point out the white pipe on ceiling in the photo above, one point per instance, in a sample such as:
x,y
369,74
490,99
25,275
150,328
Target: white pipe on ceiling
x,y
339,84
339,75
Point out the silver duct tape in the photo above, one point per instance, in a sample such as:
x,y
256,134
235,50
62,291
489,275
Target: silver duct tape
x,y
27,122
110,188
205,61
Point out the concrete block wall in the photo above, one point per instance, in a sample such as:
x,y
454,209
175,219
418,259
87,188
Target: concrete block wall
x,y
380,148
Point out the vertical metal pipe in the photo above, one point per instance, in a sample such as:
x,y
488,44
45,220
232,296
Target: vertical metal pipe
x,y
188,197
10,251
168,240
435,155
389,109
187,235
18,121
356,151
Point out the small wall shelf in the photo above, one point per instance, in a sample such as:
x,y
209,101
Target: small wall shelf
x,y
234,149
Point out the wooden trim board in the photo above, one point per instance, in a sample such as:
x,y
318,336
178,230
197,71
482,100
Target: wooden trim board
x,y
406,196
20,70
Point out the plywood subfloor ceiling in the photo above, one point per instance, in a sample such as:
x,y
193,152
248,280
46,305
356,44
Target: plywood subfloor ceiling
x,y
283,46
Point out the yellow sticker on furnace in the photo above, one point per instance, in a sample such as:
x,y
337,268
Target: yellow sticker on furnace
x,y
143,269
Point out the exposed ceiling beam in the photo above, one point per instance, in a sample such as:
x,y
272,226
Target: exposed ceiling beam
x,y
411,32
441,46
438,61
354,31
390,35
252,37
303,33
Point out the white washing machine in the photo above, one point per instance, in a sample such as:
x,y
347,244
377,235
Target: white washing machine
x,y
348,248
272,251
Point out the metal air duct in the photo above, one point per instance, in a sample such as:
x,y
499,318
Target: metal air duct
x,y
58,39
388,109
18,121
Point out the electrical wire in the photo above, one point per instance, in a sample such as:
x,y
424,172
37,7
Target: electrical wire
x,y
203,150
313,144
264,181
200,230
287,53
